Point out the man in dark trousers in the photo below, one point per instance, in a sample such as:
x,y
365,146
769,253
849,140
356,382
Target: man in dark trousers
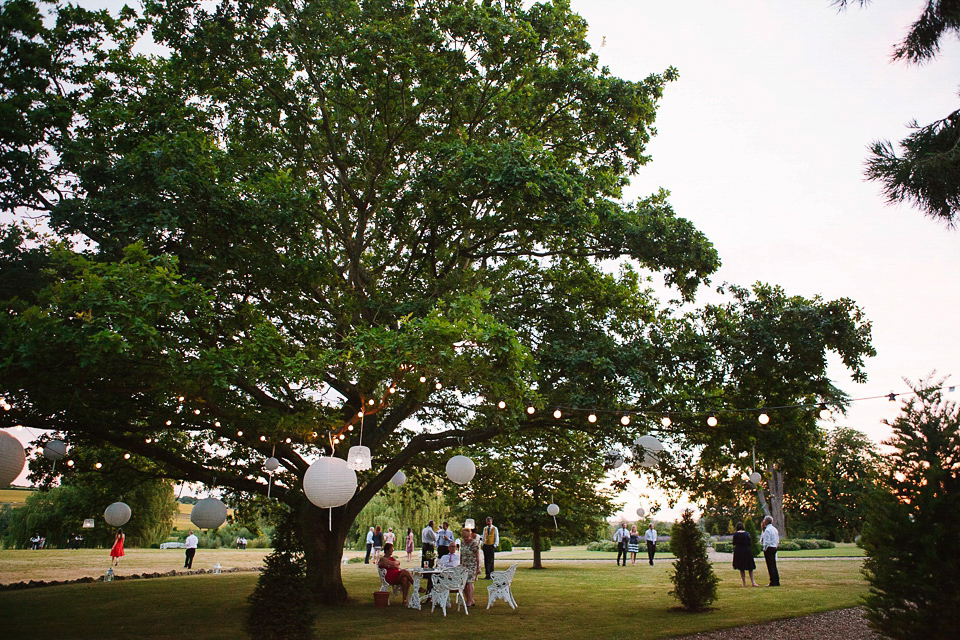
x,y
770,540
622,538
491,540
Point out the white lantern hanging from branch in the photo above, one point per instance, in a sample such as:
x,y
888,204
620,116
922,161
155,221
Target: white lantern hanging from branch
x,y
271,464
55,450
755,478
398,479
613,459
640,512
359,458
12,458
651,448
461,469
329,482
117,514
208,513
553,510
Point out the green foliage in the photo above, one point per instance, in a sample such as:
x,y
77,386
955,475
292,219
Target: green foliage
x,y
602,545
750,526
506,544
279,607
59,513
694,582
407,506
928,172
912,533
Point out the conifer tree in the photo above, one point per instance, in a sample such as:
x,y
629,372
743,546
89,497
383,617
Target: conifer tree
x,y
912,533
694,582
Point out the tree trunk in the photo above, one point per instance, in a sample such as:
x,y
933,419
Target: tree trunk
x,y
323,551
776,500
536,549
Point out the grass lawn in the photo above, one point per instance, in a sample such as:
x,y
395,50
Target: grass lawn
x,y
567,599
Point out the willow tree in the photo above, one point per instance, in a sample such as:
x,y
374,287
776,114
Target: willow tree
x,y
292,213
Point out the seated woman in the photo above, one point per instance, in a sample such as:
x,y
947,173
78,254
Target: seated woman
x,y
395,575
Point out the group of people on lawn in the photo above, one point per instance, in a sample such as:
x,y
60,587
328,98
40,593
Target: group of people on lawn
x,y
440,548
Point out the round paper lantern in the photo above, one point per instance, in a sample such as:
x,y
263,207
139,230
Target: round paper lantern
x,y
640,512
461,469
208,513
117,514
553,509
271,464
651,450
613,459
329,482
398,479
55,449
359,458
755,478
12,458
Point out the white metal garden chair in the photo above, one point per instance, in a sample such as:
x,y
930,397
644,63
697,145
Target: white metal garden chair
x,y
386,586
450,581
501,586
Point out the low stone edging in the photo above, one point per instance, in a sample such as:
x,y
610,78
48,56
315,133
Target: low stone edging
x,y
17,586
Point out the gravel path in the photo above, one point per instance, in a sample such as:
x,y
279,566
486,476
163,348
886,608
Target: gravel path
x,y
843,624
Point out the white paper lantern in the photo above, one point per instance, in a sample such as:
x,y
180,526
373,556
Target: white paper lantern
x,y
461,469
398,479
329,482
613,459
208,513
755,478
271,464
651,450
55,449
117,514
553,509
12,458
640,512
359,458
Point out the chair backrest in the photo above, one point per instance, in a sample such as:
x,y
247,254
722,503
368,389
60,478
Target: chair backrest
x,y
383,574
459,577
505,577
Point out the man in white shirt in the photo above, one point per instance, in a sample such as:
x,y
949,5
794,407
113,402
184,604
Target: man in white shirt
x,y
428,537
770,540
191,546
651,537
622,538
450,559
444,540
369,546
490,541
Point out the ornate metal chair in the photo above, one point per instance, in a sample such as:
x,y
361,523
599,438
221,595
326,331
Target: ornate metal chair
x,y
386,586
451,581
501,586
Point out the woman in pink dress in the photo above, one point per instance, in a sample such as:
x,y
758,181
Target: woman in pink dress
x,y
409,544
116,552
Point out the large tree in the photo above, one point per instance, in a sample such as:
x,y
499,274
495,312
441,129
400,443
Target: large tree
x,y
299,212
763,349
927,173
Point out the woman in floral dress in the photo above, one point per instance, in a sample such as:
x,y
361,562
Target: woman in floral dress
x,y
470,558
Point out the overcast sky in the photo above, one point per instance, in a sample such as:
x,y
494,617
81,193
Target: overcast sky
x,y
762,143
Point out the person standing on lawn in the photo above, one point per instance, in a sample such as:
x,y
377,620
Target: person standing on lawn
x,y
770,540
117,551
743,554
444,540
651,537
428,540
622,538
191,549
491,540
369,546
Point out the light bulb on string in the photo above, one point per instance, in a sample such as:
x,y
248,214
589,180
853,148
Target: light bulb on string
x,y
763,418
438,386
392,390
196,412
625,420
287,441
592,418
69,463
359,414
557,414
370,402
349,427
423,378
531,410
216,423
97,465
825,413
126,456
502,404
239,433
665,420
263,438
169,422
180,399
148,440
711,420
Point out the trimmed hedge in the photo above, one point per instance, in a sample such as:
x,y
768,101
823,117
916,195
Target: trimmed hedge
x,y
785,545
506,544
